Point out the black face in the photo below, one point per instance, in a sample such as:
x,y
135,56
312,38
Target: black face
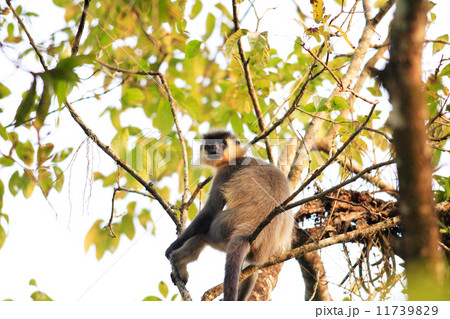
x,y
214,148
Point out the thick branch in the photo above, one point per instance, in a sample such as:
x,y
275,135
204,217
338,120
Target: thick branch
x,y
283,208
403,79
214,292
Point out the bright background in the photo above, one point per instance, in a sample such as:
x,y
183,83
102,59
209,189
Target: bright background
x,y
46,238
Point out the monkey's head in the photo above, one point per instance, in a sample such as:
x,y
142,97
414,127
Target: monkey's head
x,y
220,148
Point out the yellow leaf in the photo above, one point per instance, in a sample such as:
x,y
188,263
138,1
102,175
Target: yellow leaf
x,y
344,35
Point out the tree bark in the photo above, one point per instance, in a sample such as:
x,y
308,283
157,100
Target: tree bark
x,y
313,271
402,78
267,280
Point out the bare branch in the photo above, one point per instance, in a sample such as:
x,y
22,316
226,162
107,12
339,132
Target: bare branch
x,y
76,42
338,80
197,191
105,148
319,170
250,86
292,108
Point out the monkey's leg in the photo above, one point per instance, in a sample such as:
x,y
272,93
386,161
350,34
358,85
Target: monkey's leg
x,y
237,249
246,286
186,254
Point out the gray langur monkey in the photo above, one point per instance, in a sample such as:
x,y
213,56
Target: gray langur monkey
x,y
243,192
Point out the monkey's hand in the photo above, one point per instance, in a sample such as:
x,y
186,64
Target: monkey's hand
x,y
179,270
174,246
175,275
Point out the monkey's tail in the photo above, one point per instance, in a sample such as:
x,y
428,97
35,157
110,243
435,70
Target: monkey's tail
x,y
237,249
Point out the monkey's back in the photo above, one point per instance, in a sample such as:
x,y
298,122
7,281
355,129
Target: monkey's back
x,y
251,193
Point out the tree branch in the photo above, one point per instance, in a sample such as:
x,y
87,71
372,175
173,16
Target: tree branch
x,y
250,86
284,207
30,38
76,42
215,291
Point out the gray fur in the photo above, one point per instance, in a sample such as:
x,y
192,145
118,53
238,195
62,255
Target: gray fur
x,y
250,189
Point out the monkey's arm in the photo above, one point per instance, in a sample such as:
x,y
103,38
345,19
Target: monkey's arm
x,y
202,222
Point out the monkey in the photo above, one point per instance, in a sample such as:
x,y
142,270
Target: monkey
x,y
244,191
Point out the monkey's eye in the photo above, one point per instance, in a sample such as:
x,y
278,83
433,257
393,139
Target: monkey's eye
x,y
224,143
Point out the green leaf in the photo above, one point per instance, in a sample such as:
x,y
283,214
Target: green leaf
x,y
318,10
163,289
224,10
310,107
6,161
152,298
25,152
193,48
132,95
10,29
98,237
232,41
61,156
192,212
32,282
45,181
43,153
26,106
145,217
40,296
3,132
210,25
439,46
4,91
164,119
43,106
196,8
2,236
127,226
27,183
320,103
59,178
445,71
260,55
2,192
14,182
338,103
115,118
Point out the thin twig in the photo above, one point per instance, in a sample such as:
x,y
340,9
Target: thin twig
x,y
292,108
76,42
183,212
30,38
196,192
319,170
105,148
339,81
250,86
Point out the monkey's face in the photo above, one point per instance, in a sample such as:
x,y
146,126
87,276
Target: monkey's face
x,y
214,149
218,152
220,148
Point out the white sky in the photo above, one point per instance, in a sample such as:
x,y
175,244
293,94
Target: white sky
x,y
47,243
